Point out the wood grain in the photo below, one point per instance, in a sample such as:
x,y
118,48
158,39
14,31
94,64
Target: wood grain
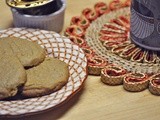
x,y
96,101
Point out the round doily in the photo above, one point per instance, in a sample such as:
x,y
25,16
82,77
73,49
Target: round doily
x,y
103,34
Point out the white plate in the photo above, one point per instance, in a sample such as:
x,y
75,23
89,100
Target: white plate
x,y
55,46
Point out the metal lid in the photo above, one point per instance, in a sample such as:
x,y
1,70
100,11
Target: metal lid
x,y
23,4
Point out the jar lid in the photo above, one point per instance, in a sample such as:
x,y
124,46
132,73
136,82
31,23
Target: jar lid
x,y
23,4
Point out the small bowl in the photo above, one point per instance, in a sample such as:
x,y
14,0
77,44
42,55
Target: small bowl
x,y
51,22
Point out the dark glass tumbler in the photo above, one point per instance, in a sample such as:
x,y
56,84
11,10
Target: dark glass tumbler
x,y
145,23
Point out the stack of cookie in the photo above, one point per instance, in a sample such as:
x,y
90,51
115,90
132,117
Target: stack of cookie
x,y
25,69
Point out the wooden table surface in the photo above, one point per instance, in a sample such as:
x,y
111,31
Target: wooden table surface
x,y
96,101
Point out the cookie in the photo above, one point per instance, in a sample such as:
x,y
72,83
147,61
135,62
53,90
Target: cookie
x,y
29,53
12,76
49,76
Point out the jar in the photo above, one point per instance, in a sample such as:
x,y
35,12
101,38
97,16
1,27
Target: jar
x,y
38,14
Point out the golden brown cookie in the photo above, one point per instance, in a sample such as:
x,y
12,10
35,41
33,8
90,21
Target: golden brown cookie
x,y
12,76
29,53
49,76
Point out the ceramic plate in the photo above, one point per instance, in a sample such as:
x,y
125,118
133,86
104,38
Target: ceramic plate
x,y
55,46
